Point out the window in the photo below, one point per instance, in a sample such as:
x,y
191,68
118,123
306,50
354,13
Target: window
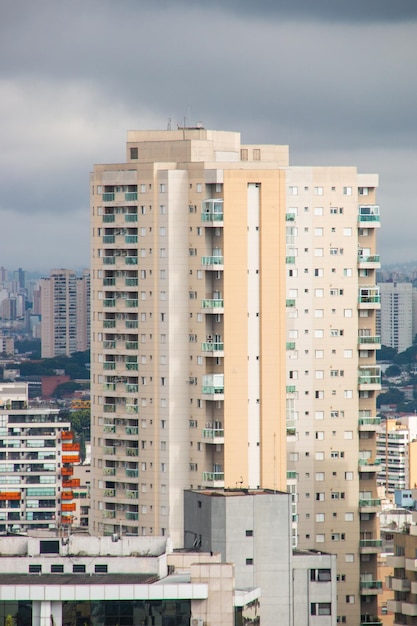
x,y
348,475
318,312
256,154
77,568
347,232
199,188
318,232
320,496
318,251
249,561
320,608
318,210
319,374
320,476
347,312
319,456
35,569
49,547
318,272
320,538
319,354
319,415
350,599
348,394
348,434
319,394
319,293
57,569
347,191
320,575
318,191
162,187
349,558
100,568
320,435
320,517
293,191
249,533
347,354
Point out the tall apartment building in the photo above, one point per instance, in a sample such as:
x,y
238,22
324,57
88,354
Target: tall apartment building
x,y
37,454
65,313
396,315
397,454
189,340
188,325
332,379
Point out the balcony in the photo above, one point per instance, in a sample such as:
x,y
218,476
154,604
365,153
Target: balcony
x,y
109,302
131,217
109,450
213,305
368,423
109,429
109,365
290,260
131,515
131,282
369,465
108,197
109,514
109,471
370,587
131,388
290,302
132,430
109,408
109,493
132,451
368,216
409,608
132,495
372,343
109,260
213,479
109,345
411,564
371,261
370,546
132,345
212,262
212,212
213,387
213,435
109,387
369,298
131,303
132,366
370,620
109,323
131,323
108,218
369,505
290,345
131,196
132,473
399,584
132,408
290,389
131,239
131,260
290,217
109,281
369,378
109,239
211,348
396,561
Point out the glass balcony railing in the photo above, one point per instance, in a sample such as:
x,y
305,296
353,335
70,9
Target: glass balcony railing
x,y
290,217
132,473
212,260
369,421
131,282
132,452
108,197
131,260
109,345
109,282
109,493
131,303
365,462
209,346
291,475
132,408
289,260
108,238
289,302
131,345
109,302
109,387
369,502
212,303
109,514
109,324
369,296
290,345
132,430
109,365
290,389
131,217
371,584
131,388
212,389
109,260
109,471
108,218
131,196
369,213
132,366
369,375
133,495
211,477
109,450
109,408
213,433
369,341
131,239
370,543
131,515
371,258
131,324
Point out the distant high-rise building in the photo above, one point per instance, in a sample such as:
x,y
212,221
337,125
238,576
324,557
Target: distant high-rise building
x,y
396,315
65,313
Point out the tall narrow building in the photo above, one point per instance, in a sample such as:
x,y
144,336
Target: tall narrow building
x,y
65,309
188,325
332,378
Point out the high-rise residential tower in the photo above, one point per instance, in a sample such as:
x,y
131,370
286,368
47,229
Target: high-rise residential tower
x,y
396,315
191,240
332,378
65,307
188,325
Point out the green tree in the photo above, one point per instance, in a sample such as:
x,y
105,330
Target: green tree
x,y
393,370
386,353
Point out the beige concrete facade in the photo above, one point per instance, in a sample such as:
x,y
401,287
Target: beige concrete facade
x,y
188,272
332,379
65,308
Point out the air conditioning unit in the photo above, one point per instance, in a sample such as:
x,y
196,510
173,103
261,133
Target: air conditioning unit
x,y
196,621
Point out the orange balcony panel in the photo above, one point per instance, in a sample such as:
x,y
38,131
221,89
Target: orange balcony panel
x,y
71,447
69,484
66,519
67,434
67,495
70,506
71,459
10,495
67,471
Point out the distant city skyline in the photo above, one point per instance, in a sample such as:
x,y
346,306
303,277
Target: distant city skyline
x,y
331,81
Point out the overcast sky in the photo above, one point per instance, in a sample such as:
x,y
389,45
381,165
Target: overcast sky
x,y
337,81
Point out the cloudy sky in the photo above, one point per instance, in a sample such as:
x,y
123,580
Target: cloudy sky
x,y
337,81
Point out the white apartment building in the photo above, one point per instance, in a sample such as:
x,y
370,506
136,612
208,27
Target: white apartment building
x,y
396,315
37,454
332,378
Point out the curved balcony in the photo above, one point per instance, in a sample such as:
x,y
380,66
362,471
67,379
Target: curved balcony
x,y
369,298
370,342
213,305
212,262
212,212
370,546
213,479
369,262
213,435
368,216
210,348
368,423
369,378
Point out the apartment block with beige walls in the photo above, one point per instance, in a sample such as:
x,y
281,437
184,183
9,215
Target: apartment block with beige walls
x,y
188,325
332,378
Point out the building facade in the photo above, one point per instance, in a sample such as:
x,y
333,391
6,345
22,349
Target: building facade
x,y
65,313
37,454
332,376
187,281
